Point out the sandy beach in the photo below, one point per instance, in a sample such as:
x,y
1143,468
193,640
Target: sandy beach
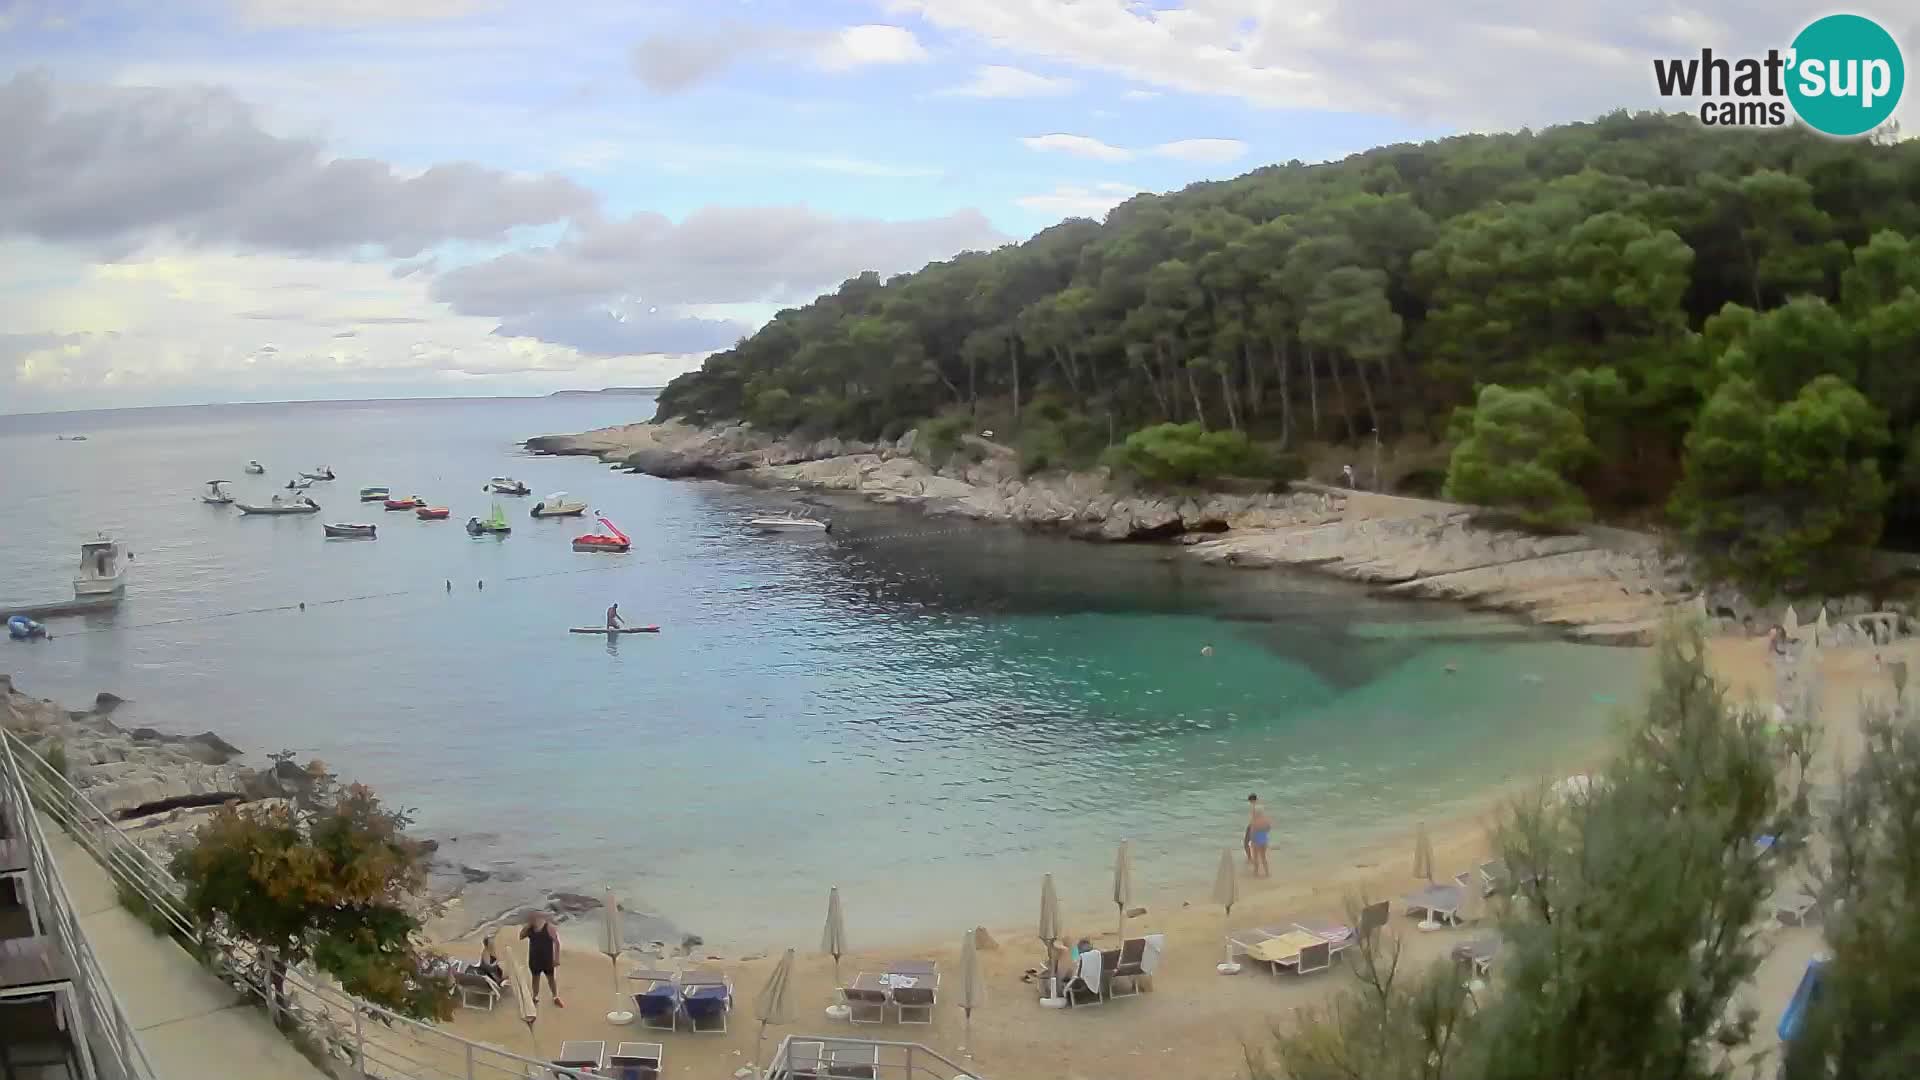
x,y
1196,1022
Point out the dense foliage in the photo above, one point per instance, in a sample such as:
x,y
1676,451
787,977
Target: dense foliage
x,y
326,879
1630,270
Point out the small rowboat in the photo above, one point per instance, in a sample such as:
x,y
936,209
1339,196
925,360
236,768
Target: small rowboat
x,y
430,513
375,494
408,503
349,532
323,474
507,485
217,494
620,630
302,505
790,523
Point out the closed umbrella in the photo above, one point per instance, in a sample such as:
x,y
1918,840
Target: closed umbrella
x,y
973,991
772,1006
611,940
833,939
517,974
1123,885
1226,891
1049,922
1423,854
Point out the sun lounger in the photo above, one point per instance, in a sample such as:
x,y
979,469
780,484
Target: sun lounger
x,y
1372,917
1132,952
706,1005
1792,906
1439,903
1477,955
658,1006
865,1005
581,1054
1338,935
853,1062
1295,949
804,1061
636,1061
1085,985
474,986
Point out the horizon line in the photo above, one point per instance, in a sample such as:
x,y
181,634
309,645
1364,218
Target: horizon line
x,y
337,401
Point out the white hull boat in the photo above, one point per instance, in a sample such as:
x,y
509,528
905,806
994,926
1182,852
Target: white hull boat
x,y
103,569
558,505
789,523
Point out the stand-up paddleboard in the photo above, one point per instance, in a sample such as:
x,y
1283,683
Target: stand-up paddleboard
x,y
621,630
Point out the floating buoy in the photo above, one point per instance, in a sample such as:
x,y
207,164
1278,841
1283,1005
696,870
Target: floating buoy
x,y
1206,650
303,605
481,585
449,584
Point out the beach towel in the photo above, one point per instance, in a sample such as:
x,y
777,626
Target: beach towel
x,y
1089,969
1150,959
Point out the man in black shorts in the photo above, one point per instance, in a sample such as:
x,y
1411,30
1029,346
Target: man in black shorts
x,y
543,954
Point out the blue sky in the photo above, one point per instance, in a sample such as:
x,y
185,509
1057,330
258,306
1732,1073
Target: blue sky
x,y
225,197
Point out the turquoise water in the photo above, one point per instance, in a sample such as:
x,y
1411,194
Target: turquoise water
x,y
928,715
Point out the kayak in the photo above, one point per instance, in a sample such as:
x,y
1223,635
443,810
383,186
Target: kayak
x,y
622,630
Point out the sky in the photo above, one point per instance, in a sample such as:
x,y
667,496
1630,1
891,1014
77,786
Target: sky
x,y
221,200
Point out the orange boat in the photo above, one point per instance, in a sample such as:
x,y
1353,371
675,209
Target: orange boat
x,y
613,540
407,503
430,513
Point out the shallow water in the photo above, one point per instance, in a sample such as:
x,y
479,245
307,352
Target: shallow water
x,y
928,715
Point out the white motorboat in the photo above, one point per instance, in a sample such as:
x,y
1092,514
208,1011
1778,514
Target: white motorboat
x,y
103,569
217,494
790,523
507,485
254,468
559,504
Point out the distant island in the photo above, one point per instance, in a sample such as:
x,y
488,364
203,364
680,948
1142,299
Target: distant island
x,y
609,390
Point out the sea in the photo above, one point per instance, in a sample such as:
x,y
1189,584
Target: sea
x,y
927,714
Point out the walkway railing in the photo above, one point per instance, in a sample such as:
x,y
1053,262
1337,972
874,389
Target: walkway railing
x,y
104,1039
361,1039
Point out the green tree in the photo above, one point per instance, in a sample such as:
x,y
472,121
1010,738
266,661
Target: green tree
x,y
1187,454
328,879
1513,453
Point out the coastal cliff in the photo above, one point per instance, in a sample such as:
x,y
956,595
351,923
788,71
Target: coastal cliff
x,y
1599,585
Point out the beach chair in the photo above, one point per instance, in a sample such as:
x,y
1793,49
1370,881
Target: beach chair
x,y
1439,903
865,1006
658,1007
914,1004
636,1061
1084,987
1792,906
804,1061
706,1006
1239,942
581,1054
1476,958
1372,918
473,986
853,1062
1493,877
1314,958
1127,966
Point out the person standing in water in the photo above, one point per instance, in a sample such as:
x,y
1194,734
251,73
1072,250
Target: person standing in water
x,y
543,955
613,617
1259,825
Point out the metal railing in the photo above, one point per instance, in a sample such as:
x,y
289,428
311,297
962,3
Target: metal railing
x,y
804,1057
105,1040
359,1039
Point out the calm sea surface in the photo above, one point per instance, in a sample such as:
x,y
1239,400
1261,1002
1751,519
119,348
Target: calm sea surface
x,y
926,715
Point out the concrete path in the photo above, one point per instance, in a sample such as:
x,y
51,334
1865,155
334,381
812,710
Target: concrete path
x,y
194,1026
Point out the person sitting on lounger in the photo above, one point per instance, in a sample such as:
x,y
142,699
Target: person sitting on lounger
x,y
489,964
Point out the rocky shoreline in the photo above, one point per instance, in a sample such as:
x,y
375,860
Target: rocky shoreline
x,y
1603,586
158,788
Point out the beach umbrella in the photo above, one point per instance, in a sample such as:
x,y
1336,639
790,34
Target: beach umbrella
x,y
1423,854
1049,921
1123,885
833,939
1226,891
973,991
522,981
772,1006
611,941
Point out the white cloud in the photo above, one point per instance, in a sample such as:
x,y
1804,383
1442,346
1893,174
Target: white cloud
x,y
858,46
1000,81
1141,95
351,12
1078,145
1211,151
1505,63
1074,200
1208,151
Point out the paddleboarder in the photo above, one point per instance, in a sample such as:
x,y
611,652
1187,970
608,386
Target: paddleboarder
x,y
613,617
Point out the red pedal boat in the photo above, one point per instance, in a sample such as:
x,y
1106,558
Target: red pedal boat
x,y
430,513
407,503
613,540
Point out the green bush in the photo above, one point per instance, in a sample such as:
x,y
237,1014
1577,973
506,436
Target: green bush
x,y
1188,455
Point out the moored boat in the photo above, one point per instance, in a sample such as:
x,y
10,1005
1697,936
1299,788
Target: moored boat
x,y
103,569
216,493
408,503
300,505
21,628
431,513
375,494
790,523
613,540
507,485
559,505
350,532
299,485
496,523
322,474
254,468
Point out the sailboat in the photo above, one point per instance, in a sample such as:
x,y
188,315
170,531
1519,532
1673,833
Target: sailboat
x,y
496,523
